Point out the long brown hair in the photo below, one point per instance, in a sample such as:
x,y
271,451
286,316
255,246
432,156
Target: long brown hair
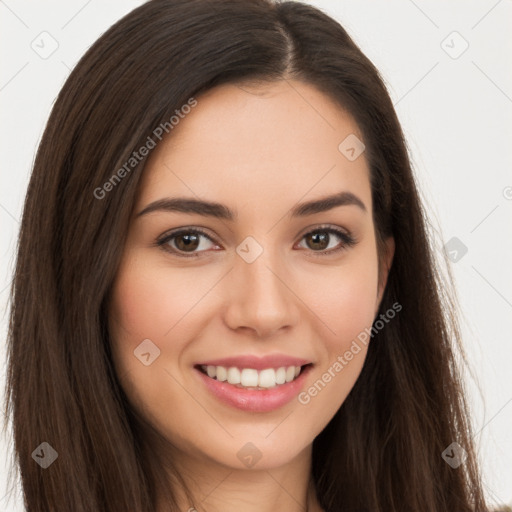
x,y
382,449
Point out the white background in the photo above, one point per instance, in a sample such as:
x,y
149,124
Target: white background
x,y
456,114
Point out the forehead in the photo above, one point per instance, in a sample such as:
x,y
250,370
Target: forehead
x,y
263,143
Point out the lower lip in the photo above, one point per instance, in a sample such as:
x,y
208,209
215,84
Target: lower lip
x,y
253,400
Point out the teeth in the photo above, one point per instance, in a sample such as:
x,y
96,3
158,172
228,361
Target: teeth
x,y
222,373
251,378
290,373
233,375
267,378
281,375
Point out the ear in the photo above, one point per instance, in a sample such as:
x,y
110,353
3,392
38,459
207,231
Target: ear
x,y
384,267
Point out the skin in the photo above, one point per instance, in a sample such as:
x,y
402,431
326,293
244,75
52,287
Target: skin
x,y
259,150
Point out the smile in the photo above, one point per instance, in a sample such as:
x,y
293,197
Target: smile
x,y
250,378
252,390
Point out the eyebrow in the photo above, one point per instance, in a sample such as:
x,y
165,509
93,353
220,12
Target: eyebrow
x,y
220,211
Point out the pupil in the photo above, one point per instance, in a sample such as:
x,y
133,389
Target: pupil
x,y
187,242
320,239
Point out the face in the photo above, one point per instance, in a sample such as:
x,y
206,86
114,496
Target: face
x,y
265,278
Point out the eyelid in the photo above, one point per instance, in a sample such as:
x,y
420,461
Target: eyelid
x,y
325,227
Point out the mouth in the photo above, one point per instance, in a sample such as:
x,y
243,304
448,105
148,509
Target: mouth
x,y
251,390
252,379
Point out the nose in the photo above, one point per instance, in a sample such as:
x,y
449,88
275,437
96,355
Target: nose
x,y
261,298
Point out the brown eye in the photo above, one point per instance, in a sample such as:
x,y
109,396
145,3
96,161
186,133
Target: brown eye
x,y
327,240
318,240
186,242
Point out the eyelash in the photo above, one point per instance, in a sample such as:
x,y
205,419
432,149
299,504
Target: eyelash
x,y
347,241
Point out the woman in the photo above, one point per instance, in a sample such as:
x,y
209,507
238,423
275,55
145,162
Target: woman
x,y
225,297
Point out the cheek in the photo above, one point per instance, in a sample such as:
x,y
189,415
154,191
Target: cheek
x,y
353,309
149,300
153,302
143,306
343,299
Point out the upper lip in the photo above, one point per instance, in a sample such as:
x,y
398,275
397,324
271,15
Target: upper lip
x,y
257,363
